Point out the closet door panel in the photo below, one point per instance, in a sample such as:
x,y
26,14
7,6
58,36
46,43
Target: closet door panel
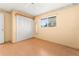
x,y
19,28
24,28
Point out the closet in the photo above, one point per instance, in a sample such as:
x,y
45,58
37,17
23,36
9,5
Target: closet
x,y
24,28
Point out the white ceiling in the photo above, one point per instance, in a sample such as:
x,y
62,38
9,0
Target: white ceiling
x,y
33,9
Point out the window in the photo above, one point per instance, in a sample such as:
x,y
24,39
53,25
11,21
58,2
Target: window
x,y
48,22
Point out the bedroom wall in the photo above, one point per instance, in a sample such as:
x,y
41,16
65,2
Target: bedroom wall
x,y
66,31
7,27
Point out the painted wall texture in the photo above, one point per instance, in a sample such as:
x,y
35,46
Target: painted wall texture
x,y
66,31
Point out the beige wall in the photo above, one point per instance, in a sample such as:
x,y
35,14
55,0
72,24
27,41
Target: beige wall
x,y
66,31
77,26
22,13
7,27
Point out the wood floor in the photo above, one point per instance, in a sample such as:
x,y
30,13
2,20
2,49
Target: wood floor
x,y
36,47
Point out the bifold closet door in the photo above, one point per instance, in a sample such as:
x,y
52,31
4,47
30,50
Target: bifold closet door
x,y
24,28
1,28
